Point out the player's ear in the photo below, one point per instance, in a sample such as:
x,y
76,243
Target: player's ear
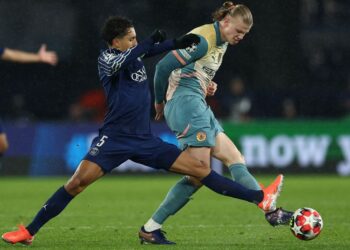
x,y
116,43
226,20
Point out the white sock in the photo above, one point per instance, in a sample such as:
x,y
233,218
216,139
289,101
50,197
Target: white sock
x,y
151,225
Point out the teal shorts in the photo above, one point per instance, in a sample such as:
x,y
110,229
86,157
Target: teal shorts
x,y
192,120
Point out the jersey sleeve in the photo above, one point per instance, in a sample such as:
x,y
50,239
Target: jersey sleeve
x,y
110,62
173,60
160,48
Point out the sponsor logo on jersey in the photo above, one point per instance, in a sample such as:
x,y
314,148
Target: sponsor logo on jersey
x,y
94,151
201,136
140,75
210,72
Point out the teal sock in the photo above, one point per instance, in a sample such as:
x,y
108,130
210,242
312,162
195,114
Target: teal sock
x,y
240,174
176,198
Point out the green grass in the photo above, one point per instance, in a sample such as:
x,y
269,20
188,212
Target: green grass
x,y
109,214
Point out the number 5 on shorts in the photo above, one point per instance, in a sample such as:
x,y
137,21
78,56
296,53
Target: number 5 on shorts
x,y
102,141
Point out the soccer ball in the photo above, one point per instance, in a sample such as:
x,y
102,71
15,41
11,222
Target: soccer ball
x,y
306,223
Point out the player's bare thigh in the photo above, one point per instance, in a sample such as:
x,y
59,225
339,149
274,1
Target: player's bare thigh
x,y
86,173
194,161
226,151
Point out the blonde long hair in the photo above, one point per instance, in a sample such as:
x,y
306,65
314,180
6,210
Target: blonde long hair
x,y
228,8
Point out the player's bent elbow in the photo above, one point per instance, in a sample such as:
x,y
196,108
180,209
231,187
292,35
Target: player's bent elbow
x,y
3,149
3,146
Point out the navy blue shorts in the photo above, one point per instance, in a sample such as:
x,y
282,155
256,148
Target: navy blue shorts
x,y
151,151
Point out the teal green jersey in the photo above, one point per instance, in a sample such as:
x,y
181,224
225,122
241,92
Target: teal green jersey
x,y
189,71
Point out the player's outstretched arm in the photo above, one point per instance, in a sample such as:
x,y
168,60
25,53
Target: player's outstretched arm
x,y
111,62
182,42
42,56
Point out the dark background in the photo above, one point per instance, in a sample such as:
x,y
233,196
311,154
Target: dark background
x,y
296,50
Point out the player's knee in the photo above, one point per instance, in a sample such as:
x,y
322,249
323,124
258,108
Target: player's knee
x,y
74,186
234,159
200,169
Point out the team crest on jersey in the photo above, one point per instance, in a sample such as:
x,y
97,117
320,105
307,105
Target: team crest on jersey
x,y
201,136
94,151
192,48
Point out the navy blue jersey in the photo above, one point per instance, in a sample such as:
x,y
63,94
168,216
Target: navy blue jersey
x,y
123,76
126,132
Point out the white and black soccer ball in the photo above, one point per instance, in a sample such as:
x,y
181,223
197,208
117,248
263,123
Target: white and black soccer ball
x,y
306,223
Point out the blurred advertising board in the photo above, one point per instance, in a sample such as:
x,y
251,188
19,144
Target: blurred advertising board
x,y
57,148
300,146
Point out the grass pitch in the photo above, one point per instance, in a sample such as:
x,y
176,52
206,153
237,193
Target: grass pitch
x,y
109,214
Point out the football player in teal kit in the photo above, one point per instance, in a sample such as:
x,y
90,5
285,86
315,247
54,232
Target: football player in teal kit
x,y
182,81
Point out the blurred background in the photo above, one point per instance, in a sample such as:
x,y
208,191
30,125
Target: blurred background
x,y
283,93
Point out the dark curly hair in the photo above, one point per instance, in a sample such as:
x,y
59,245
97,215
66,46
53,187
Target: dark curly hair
x,y
115,27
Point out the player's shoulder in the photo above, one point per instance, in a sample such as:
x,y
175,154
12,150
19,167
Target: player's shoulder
x,y
107,55
207,31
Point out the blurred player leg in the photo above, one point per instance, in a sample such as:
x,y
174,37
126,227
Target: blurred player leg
x,y
229,155
180,194
3,143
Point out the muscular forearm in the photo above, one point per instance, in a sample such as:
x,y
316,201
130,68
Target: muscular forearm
x,y
20,56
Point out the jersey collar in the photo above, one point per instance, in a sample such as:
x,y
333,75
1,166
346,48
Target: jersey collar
x,y
218,34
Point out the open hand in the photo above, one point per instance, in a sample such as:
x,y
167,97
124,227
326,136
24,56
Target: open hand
x,y
46,56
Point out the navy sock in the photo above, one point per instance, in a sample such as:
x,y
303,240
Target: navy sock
x,y
225,186
57,202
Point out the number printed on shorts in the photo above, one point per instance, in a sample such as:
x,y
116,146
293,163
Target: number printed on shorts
x,y
102,141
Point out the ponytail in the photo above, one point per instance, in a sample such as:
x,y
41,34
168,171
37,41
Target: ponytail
x,y
228,8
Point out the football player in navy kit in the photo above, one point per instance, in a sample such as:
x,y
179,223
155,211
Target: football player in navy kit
x,y
126,132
